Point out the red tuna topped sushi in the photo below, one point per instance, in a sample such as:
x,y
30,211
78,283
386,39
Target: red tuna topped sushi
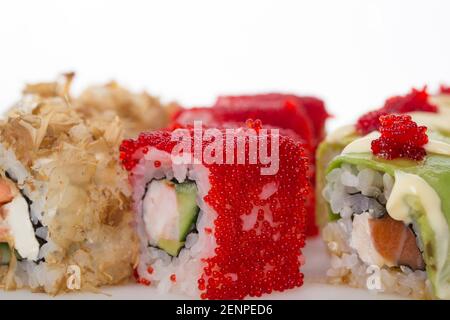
x,y
304,115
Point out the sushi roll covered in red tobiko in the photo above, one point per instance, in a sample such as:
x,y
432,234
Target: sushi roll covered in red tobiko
x,y
220,212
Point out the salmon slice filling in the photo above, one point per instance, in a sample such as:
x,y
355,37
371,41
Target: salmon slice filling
x,y
5,192
360,194
396,242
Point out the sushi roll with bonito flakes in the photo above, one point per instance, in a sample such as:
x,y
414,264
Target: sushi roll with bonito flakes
x,y
102,103
137,111
387,214
65,217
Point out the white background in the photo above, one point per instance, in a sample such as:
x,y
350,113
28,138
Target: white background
x,y
354,54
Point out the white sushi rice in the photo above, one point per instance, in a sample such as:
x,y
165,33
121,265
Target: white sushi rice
x,y
352,190
188,265
29,273
355,190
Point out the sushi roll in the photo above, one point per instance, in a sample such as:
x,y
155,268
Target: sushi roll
x,y
65,219
103,103
443,97
301,117
304,115
432,111
137,111
388,212
222,229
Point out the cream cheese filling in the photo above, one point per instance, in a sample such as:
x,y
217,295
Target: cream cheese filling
x,y
20,228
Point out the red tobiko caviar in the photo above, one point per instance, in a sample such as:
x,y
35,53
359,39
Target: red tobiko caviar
x,y
300,117
400,138
136,274
229,108
145,282
416,100
304,115
264,256
370,121
140,280
254,124
444,89
131,150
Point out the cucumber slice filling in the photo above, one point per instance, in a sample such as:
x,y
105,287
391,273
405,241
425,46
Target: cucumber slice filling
x,y
5,254
170,212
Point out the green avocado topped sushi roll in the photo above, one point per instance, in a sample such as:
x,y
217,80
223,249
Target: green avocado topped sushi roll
x,y
432,111
389,209
385,208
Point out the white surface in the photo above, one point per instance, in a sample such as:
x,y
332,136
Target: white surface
x,y
352,53
317,263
